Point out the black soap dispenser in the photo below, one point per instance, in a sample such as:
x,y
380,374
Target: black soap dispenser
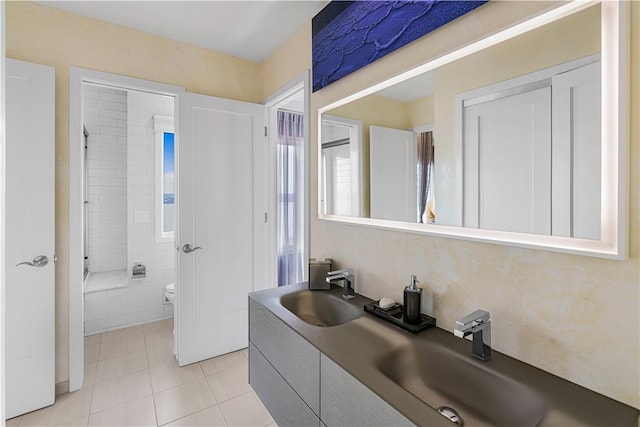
x,y
412,297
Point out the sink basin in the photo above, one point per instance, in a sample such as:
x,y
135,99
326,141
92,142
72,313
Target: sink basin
x,y
321,308
442,378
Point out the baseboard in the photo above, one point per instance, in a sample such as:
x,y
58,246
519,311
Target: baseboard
x,y
62,388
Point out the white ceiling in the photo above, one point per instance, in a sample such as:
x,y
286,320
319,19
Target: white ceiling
x,y
247,29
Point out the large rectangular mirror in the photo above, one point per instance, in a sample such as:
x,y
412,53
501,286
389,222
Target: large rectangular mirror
x,y
514,139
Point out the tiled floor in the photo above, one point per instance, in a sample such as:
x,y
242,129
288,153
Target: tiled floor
x,y
132,379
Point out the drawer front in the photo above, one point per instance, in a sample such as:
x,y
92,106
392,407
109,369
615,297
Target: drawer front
x,y
292,356
284,405
347,402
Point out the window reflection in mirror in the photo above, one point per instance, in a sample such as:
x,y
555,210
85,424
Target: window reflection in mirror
x,y
499,117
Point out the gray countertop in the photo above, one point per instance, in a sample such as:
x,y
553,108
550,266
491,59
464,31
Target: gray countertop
x,y
359,346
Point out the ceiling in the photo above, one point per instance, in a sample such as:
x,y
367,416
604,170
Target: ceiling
x,y
247,29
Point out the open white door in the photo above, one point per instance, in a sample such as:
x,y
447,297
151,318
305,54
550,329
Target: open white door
x,y
220,233
30,237
393,168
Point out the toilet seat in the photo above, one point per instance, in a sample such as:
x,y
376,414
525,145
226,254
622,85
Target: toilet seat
x,y
170,292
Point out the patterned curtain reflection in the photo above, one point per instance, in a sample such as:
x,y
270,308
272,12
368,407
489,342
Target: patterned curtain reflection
x,y
290,197
426,214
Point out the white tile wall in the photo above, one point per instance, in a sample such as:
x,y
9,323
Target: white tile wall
x,y
143,300
105,117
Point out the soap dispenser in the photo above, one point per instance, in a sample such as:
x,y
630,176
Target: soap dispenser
x,y
412,297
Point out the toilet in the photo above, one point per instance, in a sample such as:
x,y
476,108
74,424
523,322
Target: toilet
x,y
170,292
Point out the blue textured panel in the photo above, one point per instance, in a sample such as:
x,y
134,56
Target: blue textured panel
x,y
346,36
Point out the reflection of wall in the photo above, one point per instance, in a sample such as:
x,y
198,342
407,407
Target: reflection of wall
x,y
574,316
420,111
579,35
372,110
376,110
45,35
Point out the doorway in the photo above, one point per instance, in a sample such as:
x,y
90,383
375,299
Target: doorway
x,y
129,177
288,162
114,91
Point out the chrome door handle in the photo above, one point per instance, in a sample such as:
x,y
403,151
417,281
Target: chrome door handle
x,y
187,249
39,261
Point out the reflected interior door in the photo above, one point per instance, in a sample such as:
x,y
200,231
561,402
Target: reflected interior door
x,y
220,152
507,163
393,166
30,237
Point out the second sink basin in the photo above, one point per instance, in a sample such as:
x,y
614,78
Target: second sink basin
x,y
321,308
441,378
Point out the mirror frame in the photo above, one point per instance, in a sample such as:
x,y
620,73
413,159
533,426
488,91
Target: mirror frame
x,y
613,243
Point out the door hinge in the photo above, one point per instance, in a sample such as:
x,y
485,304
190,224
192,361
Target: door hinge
x,y
266,217
265,131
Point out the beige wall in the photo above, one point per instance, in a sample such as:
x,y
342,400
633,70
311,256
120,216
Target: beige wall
x,y
46,35
574,316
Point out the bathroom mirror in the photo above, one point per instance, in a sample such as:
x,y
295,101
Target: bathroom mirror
x,y
517,138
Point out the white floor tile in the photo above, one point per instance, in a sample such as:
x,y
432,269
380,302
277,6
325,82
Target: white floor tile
x,y
139,412
208,417
166,377
120,390
245,410
230,383
183,400
70,406
127,364
221,363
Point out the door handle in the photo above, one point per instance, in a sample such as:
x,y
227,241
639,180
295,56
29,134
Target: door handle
x,y
187,249
39,261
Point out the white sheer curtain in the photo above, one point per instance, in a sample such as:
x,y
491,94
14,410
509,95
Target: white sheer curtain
x,y
290,207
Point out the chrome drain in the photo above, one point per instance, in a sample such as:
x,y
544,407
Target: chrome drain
x,y
450,414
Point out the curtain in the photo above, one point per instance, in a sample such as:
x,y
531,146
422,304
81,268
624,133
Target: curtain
x,y
290,235
426,214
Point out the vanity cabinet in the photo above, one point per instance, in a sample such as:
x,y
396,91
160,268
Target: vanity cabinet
x,y
285,406
290,356
300,386
347,402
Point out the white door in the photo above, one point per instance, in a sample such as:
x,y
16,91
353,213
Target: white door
x,y
507,163
393,170
576,152
30,238
220,153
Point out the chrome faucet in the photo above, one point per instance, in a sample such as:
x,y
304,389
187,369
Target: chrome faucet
x,y
478,324
348,281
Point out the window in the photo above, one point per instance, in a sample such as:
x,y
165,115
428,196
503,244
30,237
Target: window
x,y
164,178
